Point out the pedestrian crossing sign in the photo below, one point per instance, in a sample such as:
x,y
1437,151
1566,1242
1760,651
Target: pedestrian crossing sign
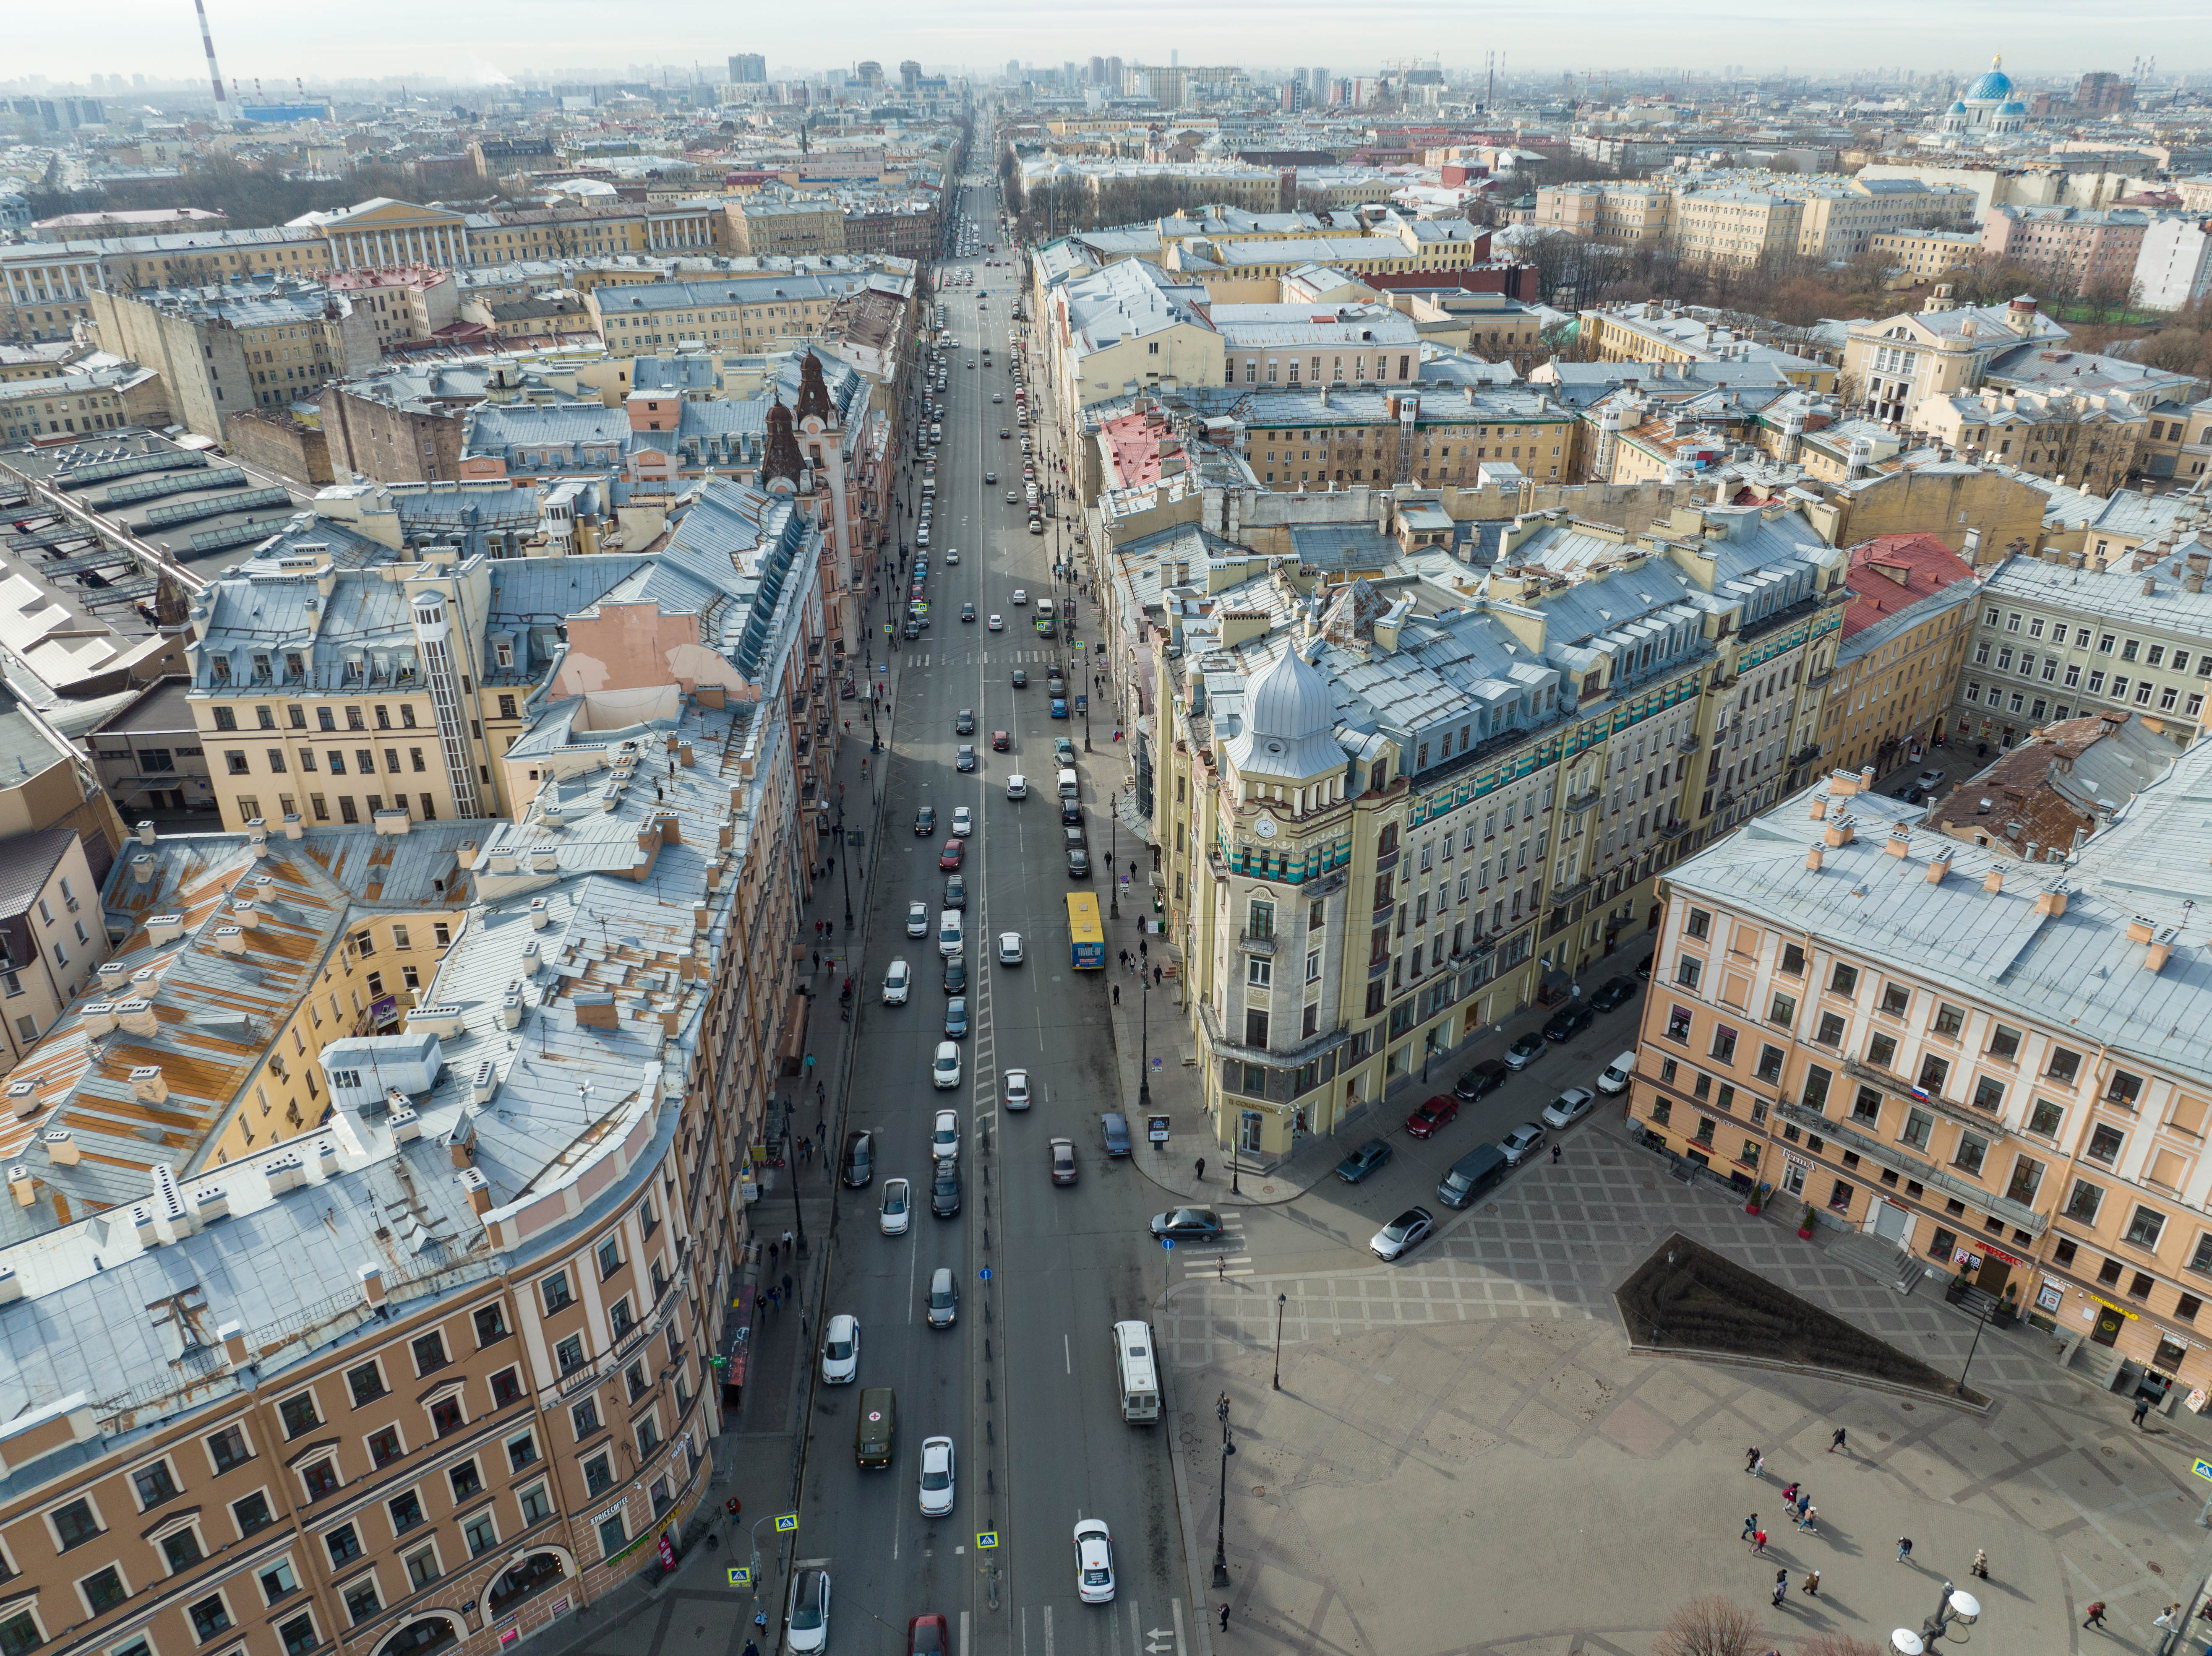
x,y
740,1576
786,1523
2203,1469
986,1540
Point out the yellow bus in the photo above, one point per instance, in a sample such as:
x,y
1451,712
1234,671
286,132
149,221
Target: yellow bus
x,y
1089,951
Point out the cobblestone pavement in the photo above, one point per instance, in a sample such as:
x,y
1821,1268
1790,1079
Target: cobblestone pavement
x,y
1466,1457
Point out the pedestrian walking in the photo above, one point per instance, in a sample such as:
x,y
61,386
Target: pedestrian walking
x,y
2167,1617
1789,1494
752,1649
2142,1408
1221,1267
1224,1618
1156,977
1781,1585
787,1241
1809,1519
775,1299
1751,1459
1759,1544
1555,1156
1117,994
1837,1441
788,1294
1124,958
1201,1169
1812,1587
1804,1503
759,1305
818,954
1759,1467
2096,1615
1750,1527
1904,1548
1980,1568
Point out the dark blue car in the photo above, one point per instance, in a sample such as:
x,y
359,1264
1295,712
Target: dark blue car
x,y
1363,1160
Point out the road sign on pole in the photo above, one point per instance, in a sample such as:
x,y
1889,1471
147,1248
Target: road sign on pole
x,y
786,1523
740,1576
985,1540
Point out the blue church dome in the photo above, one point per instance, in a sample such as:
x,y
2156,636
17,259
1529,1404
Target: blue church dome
x,y
2014,106
1957,106
1992,87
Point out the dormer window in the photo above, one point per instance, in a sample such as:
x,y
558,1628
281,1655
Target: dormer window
x,y
503,652
295,665
219,668
355,669
261,668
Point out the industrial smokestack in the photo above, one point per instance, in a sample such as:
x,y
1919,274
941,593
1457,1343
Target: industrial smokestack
x,y
223,109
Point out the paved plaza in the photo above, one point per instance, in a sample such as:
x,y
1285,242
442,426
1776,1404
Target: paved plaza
x,y
1466,1457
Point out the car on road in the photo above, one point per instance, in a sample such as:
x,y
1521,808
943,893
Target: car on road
x,y
967,612
917,919
1616,1076
929,1635
944,1070
952,554
1017,786
1569,1107
1439,1111
1021,675
949,858
1488,1077
860,1163
1643,968
1003,432
955,1018
936,1477
925,821
963,820
1094,1562
841,1350
997,624
1402,1234
1569,1021
1071,813
1021,597
963,724
1063,1160
1614,991
1002,741
1186,1225
944,1190
1524,1049
1018,1089
1523,1141
912,629
990,476
807,1625
998,396
944,1298
1113,1132
956,975
945,1136
1078,864
1009,949
1929,780
898,983
1064,750
963,756
956,891
1059,707
897,1210
1363,1160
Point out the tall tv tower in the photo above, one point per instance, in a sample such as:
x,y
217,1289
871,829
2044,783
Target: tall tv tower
x,y
223,109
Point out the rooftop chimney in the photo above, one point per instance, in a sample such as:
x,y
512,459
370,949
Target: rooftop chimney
x,y
2052,899
1939,865
1900,841
1993,880
1812,855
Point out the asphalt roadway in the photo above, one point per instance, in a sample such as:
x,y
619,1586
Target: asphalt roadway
x,y
1024,1383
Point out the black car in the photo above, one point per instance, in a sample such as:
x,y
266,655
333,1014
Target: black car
x,y
1644,966
1188,1225
945,1190
1614,991
860,1159
956,891
1021,678
1363,1160
1071,813
956,975
964,722
964,758
911,630
1487,1076
1569,1021
967,612
925,821
1078,864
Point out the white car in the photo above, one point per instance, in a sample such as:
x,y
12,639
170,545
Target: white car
x,y
997,623
806,1626
952,555
1094,1562
1021,597
945,1137
897,1212
917,919
1616,1076
945,1071
1009,949
1017,786
841,1350
936,1477
963,822
1569,1107
898,983
1018,1089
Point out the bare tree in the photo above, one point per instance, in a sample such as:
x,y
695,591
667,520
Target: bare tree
x,y
1711,1626
1836,1644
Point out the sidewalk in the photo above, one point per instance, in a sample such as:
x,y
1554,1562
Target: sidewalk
x,y
759,1455
1178,1088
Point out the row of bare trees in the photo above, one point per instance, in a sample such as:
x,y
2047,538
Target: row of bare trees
x,y
1716,1625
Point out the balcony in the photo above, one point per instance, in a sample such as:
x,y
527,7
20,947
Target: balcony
x,y
1902,1162
1587,800
1805,755
1257,943
1689,742
1892,1083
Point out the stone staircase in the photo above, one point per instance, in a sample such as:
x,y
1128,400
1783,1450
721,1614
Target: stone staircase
x,y
1875,1257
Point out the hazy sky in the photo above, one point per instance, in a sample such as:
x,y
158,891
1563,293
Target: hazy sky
x,y
278,39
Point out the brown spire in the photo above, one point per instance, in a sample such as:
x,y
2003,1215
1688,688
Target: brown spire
x,y
782,459
814,393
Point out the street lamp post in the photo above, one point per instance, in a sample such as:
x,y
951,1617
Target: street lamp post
x,y
1113,885
1221,1512
1280,1301
844,870
1145,1035
790,1161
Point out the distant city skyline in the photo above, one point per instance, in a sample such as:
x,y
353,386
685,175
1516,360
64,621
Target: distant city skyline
x,y
479,44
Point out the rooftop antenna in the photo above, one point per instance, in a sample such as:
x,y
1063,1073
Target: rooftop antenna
x,y
223,109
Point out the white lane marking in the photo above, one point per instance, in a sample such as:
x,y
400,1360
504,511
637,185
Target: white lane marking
x,y
1047,1630
913,1258
963,1633
1067,1354
1178,1626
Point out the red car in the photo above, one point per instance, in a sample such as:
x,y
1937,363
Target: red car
x,y
929,1635
1000,742
949,858
1439,1111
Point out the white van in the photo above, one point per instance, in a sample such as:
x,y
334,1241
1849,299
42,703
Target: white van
x,y
1616,1076
1070,787
1138,1371
951,933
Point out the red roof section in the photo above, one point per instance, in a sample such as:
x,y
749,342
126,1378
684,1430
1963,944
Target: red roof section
x,y
1138,443
1895,572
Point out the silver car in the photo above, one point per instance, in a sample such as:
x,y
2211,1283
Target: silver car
x,y
1569,1107
1523,1141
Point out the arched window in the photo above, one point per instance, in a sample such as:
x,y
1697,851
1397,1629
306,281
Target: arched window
x,y
524,1582
422,1638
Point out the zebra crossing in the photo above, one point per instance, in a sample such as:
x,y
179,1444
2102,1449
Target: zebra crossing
x,y
1232,1256
983,659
